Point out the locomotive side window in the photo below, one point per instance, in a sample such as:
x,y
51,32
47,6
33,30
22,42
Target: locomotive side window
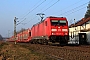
x,y
45,23
58,22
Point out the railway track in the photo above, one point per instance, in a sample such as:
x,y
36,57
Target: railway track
x,y
62,53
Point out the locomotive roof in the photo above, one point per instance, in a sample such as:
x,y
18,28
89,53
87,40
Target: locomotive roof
x,y
55,17
48,17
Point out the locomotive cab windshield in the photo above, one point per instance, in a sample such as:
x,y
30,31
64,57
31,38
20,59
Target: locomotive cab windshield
x,y
58,22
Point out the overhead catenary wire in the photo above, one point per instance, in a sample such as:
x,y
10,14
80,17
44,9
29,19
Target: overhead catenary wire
x,y
51,5
46,9
32,10
30,20
62,13
35,8
55,3
46,4
73,9
68,6
21,21
76,11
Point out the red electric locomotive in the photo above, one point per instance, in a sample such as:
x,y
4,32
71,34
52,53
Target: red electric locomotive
x,y
52,29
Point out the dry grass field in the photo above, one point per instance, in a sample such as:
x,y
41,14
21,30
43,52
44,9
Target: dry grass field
x,y
10,51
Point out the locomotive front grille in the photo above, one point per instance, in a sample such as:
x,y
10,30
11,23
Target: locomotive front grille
x,y
58,38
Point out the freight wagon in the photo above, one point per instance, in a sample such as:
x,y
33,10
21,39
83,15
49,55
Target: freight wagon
x,y
24,36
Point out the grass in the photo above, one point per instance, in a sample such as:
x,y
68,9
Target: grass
x,y
20,52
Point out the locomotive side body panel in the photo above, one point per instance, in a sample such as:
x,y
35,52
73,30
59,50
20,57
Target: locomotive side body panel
x,y
53,29
48,27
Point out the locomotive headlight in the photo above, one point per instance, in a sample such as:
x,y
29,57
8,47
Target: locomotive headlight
x,y
64,29
53,29
66,33
53,33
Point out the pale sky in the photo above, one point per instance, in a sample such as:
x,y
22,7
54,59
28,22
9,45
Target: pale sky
x,y
26,10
